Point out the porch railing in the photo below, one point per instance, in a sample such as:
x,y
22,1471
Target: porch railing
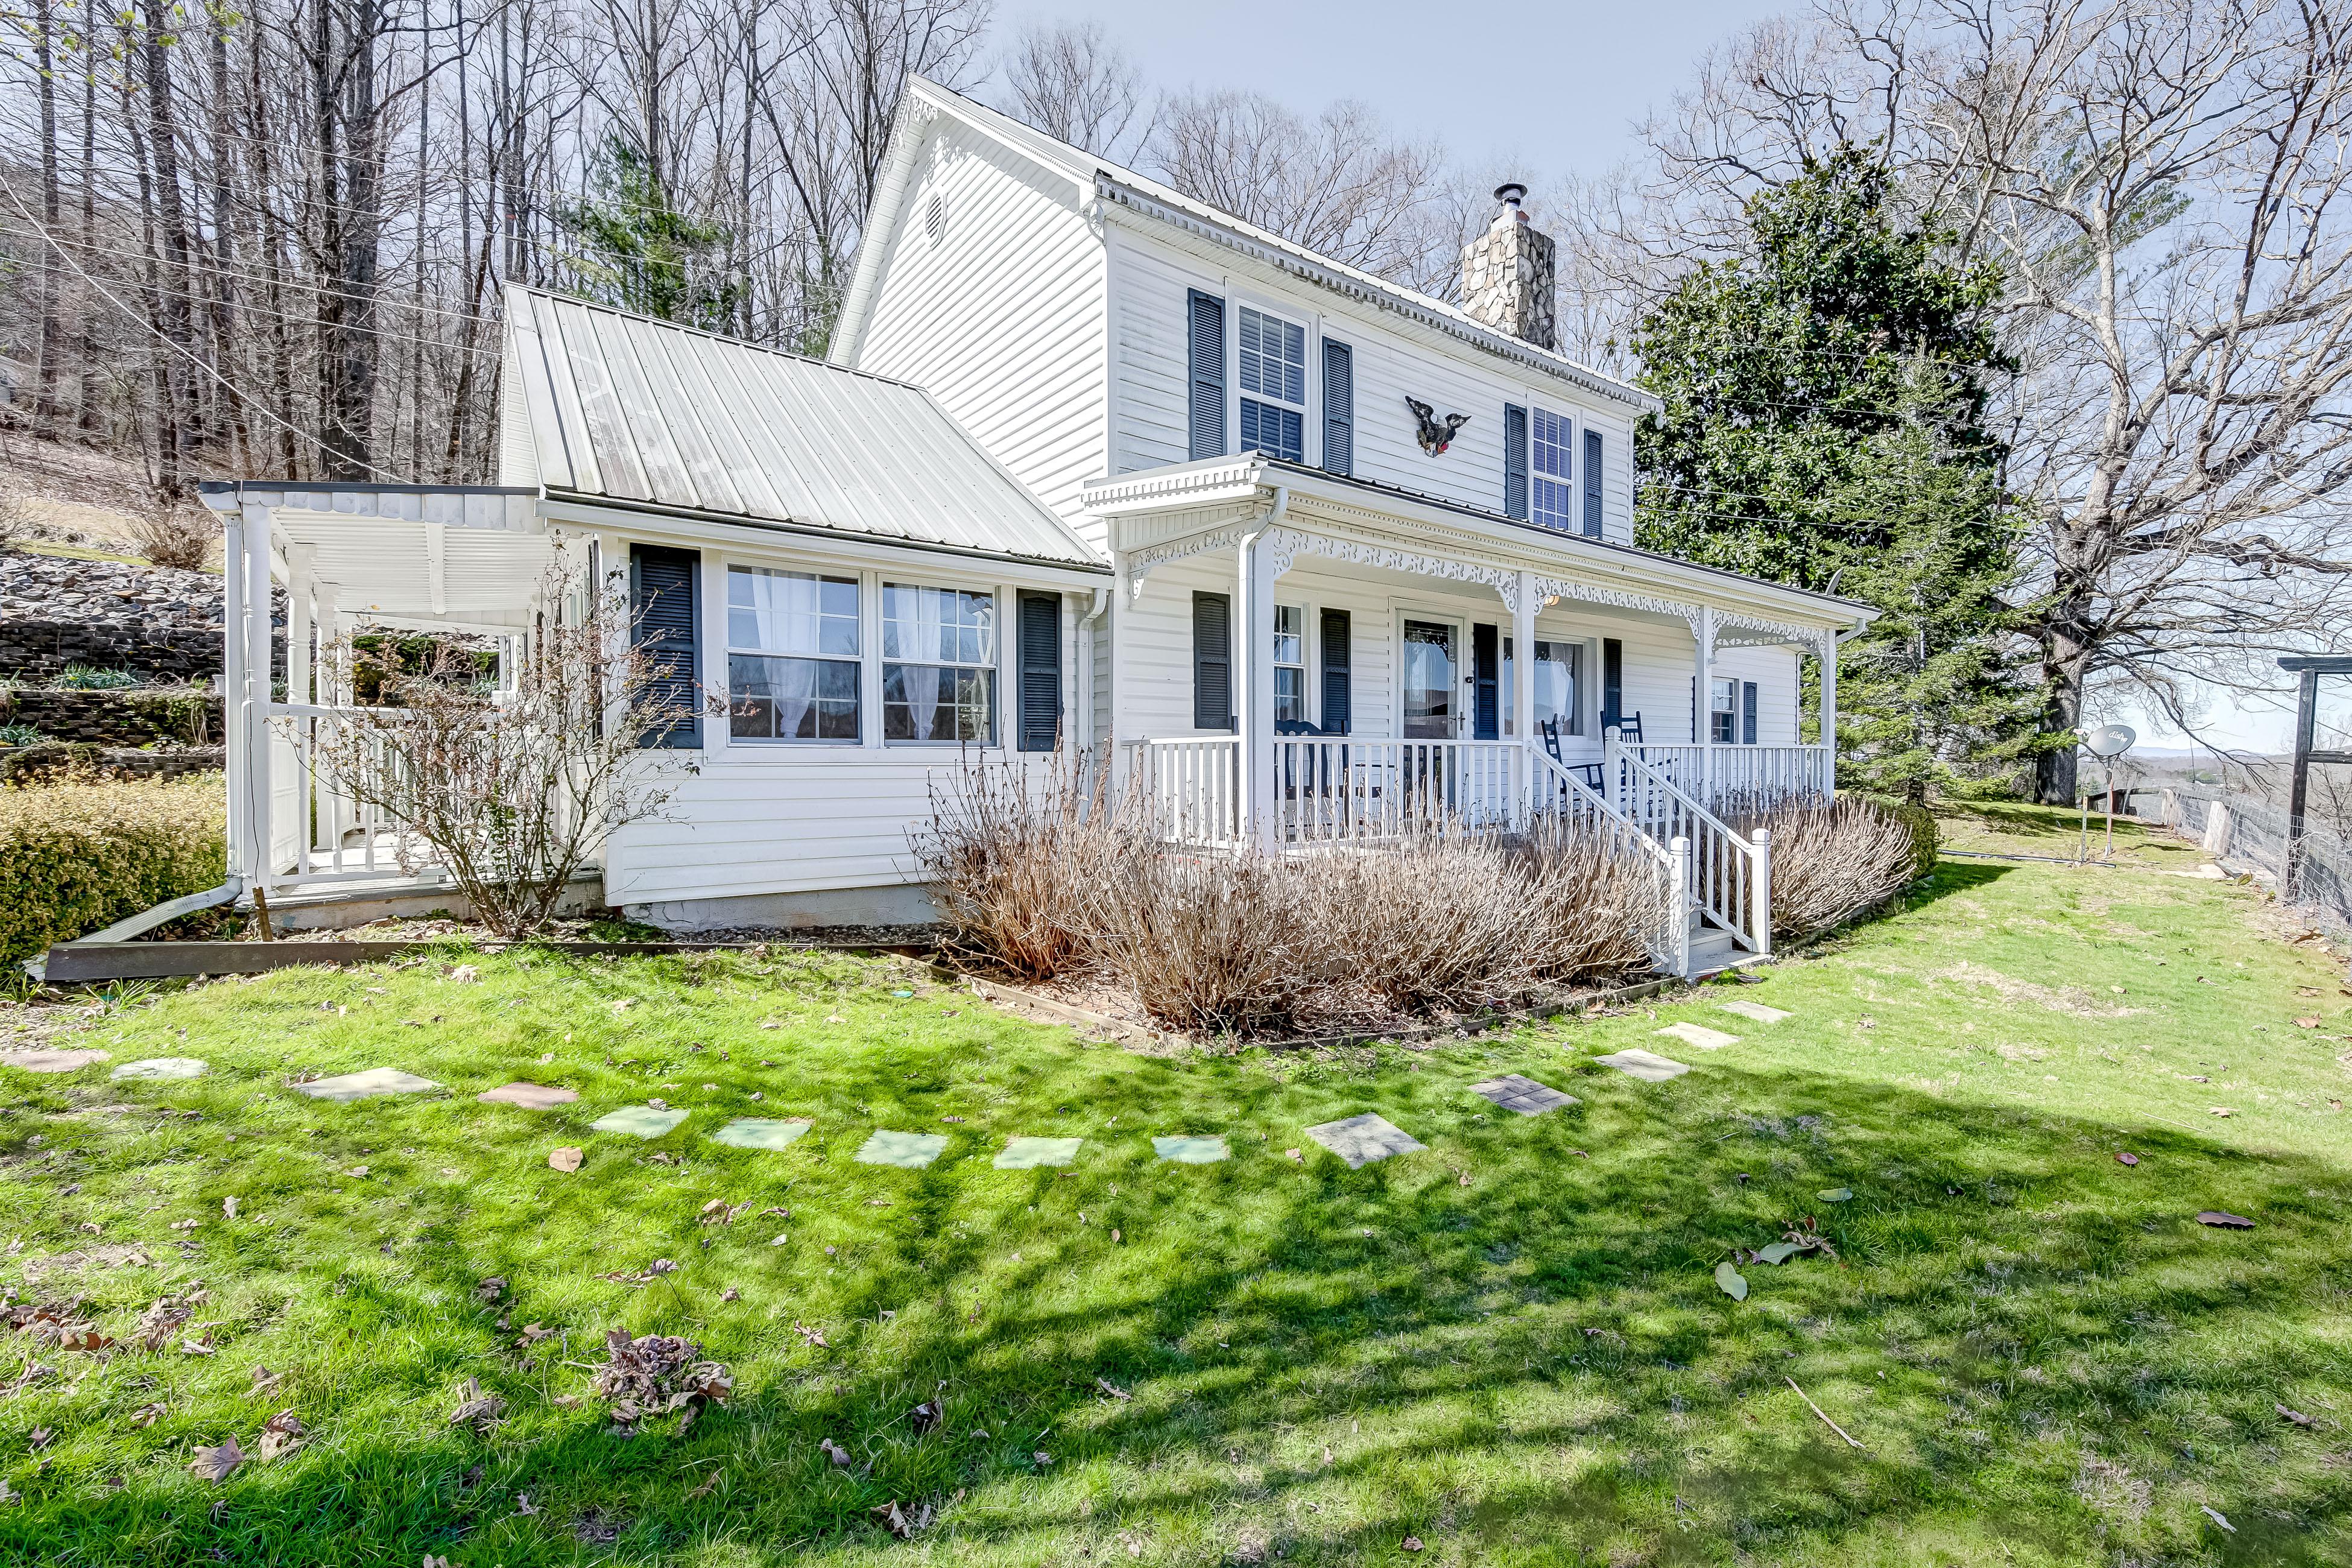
x,y
1192,788
1733,780
1346,790
321,831
1563,794
1730,874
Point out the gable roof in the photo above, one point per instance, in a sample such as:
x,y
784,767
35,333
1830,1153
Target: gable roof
x,y
1099,179
626,408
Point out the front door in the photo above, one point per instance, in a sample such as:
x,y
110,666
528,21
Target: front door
x,y
1432,680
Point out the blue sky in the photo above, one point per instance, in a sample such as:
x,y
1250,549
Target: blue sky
x,y
1561,95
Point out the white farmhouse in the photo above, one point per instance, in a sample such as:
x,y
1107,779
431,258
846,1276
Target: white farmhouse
x,y
1093,468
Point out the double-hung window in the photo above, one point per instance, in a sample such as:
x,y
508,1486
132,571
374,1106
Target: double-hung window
x,y
1559,666
791,655
1274,386
1290,662
939,670
1723,718
1549,438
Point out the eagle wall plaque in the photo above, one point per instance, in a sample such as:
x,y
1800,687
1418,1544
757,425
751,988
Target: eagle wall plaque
x,y
1436,433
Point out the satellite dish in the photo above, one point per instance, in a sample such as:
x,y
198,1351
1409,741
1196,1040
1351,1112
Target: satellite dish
x,y
2109,741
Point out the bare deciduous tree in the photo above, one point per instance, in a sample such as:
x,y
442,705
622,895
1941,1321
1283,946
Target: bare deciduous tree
x,y
1071,82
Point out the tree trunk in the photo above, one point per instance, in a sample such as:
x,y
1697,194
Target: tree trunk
x,y
86,413
2065,659
44,382
224,288
171,223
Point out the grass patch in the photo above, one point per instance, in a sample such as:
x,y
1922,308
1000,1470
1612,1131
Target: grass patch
x,y
1509,1347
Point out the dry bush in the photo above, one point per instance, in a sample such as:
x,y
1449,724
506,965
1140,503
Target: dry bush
x,y
1220,943
1013,861
174,536
15,518
1831,862
1595,901
1436,922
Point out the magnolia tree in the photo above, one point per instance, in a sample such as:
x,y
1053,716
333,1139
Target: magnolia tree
x,y
512,790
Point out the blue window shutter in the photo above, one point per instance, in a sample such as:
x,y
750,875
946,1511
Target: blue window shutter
x,y
1746,712
1212,662
1040,672
1613,682
1485,682
1204,353
662,596
1592,484
1338,694
1338,407
1515,461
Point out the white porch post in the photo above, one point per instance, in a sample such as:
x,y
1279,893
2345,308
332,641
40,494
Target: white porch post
x,y
1702,708
241,858
1523,689
1253,686
1829,711
256,689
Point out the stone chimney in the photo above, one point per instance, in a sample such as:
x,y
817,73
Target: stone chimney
x,y
1507,274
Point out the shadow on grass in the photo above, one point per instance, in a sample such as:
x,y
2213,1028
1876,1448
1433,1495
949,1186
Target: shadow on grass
x,y
1536,1364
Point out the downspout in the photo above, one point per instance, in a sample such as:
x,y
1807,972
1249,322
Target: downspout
x,y
1090,623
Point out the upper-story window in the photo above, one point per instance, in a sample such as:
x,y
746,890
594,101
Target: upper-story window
x,y
1274,386
1550,444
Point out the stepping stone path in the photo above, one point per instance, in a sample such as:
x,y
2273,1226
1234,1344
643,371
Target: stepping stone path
x,y
1699,1035
907,1150
1360,1140
53,1061
1029,1154
1644,1066
161,1066
529,1096
1190,1151
1756,1011
1524,1095
751,1133
642,1120
365,1085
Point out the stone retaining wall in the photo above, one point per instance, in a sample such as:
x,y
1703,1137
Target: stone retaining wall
x,y
181,716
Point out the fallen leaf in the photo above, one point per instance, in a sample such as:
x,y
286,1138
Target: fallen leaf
x,y
705,1488
147,1415
1041,1458
1835,1195
2224,1221
1114,1392
357,1170
523,1507
228,1208
2306,1023
39,1438
899,1523
836,1452
2215,1515
2297,1416
2127,1158
463,974
925,1416
476,1409
280,1435
2221,1111
491,1289
1409,1543
1730,1279
564,1159
214,1464
1778,1252
1292,1153
730,1294
264,1379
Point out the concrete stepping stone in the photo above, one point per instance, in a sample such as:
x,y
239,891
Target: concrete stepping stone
x,y
1360,1140
1756,1011
52,1061
1699,1035
161,1066
639,1121
1644,1065
907,1150
365,1085
1524,1095
529,1096
753,1132
1190,1151
1029,1154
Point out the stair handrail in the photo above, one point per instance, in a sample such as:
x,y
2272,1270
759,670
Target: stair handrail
x,y
1670,944
1737,896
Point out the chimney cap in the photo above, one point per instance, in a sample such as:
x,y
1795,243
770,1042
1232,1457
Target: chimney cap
x,y
1510,192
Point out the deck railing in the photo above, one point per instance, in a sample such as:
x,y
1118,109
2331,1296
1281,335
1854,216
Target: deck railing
x,y
1352,791
1735,780
1191,786
320,829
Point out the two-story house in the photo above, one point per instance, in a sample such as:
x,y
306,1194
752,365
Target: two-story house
x,y
1307,557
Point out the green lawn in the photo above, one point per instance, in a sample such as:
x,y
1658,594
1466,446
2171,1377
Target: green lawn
x,y
1510,1348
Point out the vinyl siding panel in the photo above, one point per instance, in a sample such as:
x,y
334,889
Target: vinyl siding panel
x,y
1002,318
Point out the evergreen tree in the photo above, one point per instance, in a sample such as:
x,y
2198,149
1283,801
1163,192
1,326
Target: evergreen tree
x,y
1825,421
640,253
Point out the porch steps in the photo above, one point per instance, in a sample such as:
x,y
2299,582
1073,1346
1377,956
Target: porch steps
x,y
1711,947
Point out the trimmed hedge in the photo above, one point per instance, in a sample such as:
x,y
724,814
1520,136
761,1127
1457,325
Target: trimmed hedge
x,y
76,857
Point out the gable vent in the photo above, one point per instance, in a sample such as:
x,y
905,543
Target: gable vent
x,y
935,218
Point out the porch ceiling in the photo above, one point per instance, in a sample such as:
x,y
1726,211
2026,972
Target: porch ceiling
x,y
416,571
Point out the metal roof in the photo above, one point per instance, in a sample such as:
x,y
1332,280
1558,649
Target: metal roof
x,y
632,410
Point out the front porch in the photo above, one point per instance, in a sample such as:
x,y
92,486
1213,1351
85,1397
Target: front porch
x,y
1368,665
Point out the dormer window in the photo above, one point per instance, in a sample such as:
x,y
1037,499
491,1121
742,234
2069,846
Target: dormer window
x,y
1274,386
1551,449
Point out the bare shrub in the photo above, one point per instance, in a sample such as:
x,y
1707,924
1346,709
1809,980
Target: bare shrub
x,y
174,536
513,791
1436,922
15,519
1014,861
1594,900
1835,860
1213,941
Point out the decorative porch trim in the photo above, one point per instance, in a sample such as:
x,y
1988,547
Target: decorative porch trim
x,y
1765,632
1290,543
1621,598
1140,562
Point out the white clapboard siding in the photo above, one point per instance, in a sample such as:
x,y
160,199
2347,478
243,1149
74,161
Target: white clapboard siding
x,y
1000,317
1774,672
1149,280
